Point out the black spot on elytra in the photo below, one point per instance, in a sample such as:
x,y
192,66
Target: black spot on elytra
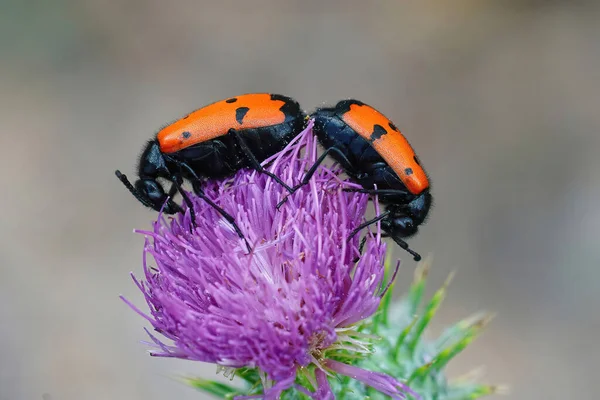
x,y
378,131
240,113
186,117
231,100
186,135
417,160
391,124
344,106
408,171
280,97
290,107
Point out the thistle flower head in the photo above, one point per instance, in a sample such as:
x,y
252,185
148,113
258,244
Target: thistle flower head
x,y
290,305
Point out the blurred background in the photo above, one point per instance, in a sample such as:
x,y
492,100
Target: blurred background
x,y
500,99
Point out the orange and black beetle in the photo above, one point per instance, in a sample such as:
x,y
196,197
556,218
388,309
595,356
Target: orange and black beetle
x,y
373,151
214,142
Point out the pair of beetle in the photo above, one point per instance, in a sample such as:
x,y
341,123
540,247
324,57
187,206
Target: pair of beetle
x,y
217,140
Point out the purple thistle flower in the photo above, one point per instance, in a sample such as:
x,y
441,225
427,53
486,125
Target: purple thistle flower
x,y
295,300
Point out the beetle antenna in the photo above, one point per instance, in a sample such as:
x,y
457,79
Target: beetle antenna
x,y
404,245
123,178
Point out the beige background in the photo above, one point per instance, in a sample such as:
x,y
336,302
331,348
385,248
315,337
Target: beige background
x,y
500,99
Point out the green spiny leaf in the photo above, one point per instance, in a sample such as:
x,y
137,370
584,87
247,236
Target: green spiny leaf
x,y
458,330
383,312
474,391
450,352
217,389
443,357
403,335
415,293
250,375
430,310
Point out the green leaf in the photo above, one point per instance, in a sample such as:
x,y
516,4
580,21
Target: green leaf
x,y
250,375
430,310
415,293
474,391
471,334
402,337
217,389
382,313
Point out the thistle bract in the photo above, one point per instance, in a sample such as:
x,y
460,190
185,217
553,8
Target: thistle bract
x,y
287,307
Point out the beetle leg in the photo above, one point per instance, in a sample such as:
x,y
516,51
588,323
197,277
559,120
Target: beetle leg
x,y
367,223
198,190
253,161
361,247
398,240
173,190
311,171
187,200
381,192
200,193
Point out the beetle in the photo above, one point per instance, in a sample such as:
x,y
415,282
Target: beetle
x,y
215,141
373,152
